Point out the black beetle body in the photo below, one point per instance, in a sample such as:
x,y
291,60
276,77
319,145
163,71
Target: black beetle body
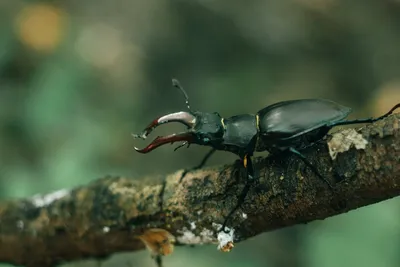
x,y
284,126
297,123
289,124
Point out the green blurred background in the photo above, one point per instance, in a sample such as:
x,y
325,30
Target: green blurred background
x,y
78,77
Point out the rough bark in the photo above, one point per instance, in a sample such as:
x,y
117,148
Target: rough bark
x,y
109,214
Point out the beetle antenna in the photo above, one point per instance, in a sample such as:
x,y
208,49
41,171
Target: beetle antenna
x,y
176,84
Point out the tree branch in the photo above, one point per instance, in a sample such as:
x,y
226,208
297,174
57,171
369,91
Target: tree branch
x,y
108,215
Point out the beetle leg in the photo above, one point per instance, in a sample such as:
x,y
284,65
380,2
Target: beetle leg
x,y
312,167
368,120
205,159
201,165
161,195
248,164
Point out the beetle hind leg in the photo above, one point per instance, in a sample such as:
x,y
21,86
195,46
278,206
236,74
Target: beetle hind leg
x,y
368,120
311,166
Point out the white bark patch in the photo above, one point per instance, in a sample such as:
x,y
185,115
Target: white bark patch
x,y
44,200
224,239
188,237
207,236
344,140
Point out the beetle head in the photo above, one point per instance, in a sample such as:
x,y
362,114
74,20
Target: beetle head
x,y
203,129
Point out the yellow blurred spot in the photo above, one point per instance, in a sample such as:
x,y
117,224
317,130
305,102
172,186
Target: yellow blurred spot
x,y
40,26
158,241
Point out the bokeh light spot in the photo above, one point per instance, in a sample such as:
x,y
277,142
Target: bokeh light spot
x,y
40,26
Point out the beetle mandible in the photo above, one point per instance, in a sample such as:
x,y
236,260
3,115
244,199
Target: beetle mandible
x,y
284,126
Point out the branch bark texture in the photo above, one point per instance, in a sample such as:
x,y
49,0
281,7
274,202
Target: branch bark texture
x,y
108,215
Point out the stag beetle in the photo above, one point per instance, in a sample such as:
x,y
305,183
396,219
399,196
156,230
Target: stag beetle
x,y
285,126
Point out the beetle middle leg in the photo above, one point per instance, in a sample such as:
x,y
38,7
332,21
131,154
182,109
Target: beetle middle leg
x,y
248,164
201,165
312,167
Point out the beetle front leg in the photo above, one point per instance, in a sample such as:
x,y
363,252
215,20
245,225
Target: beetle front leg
x,y
161,195
248,165
201,165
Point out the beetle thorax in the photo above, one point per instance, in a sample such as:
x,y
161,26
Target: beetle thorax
x,y
240,134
